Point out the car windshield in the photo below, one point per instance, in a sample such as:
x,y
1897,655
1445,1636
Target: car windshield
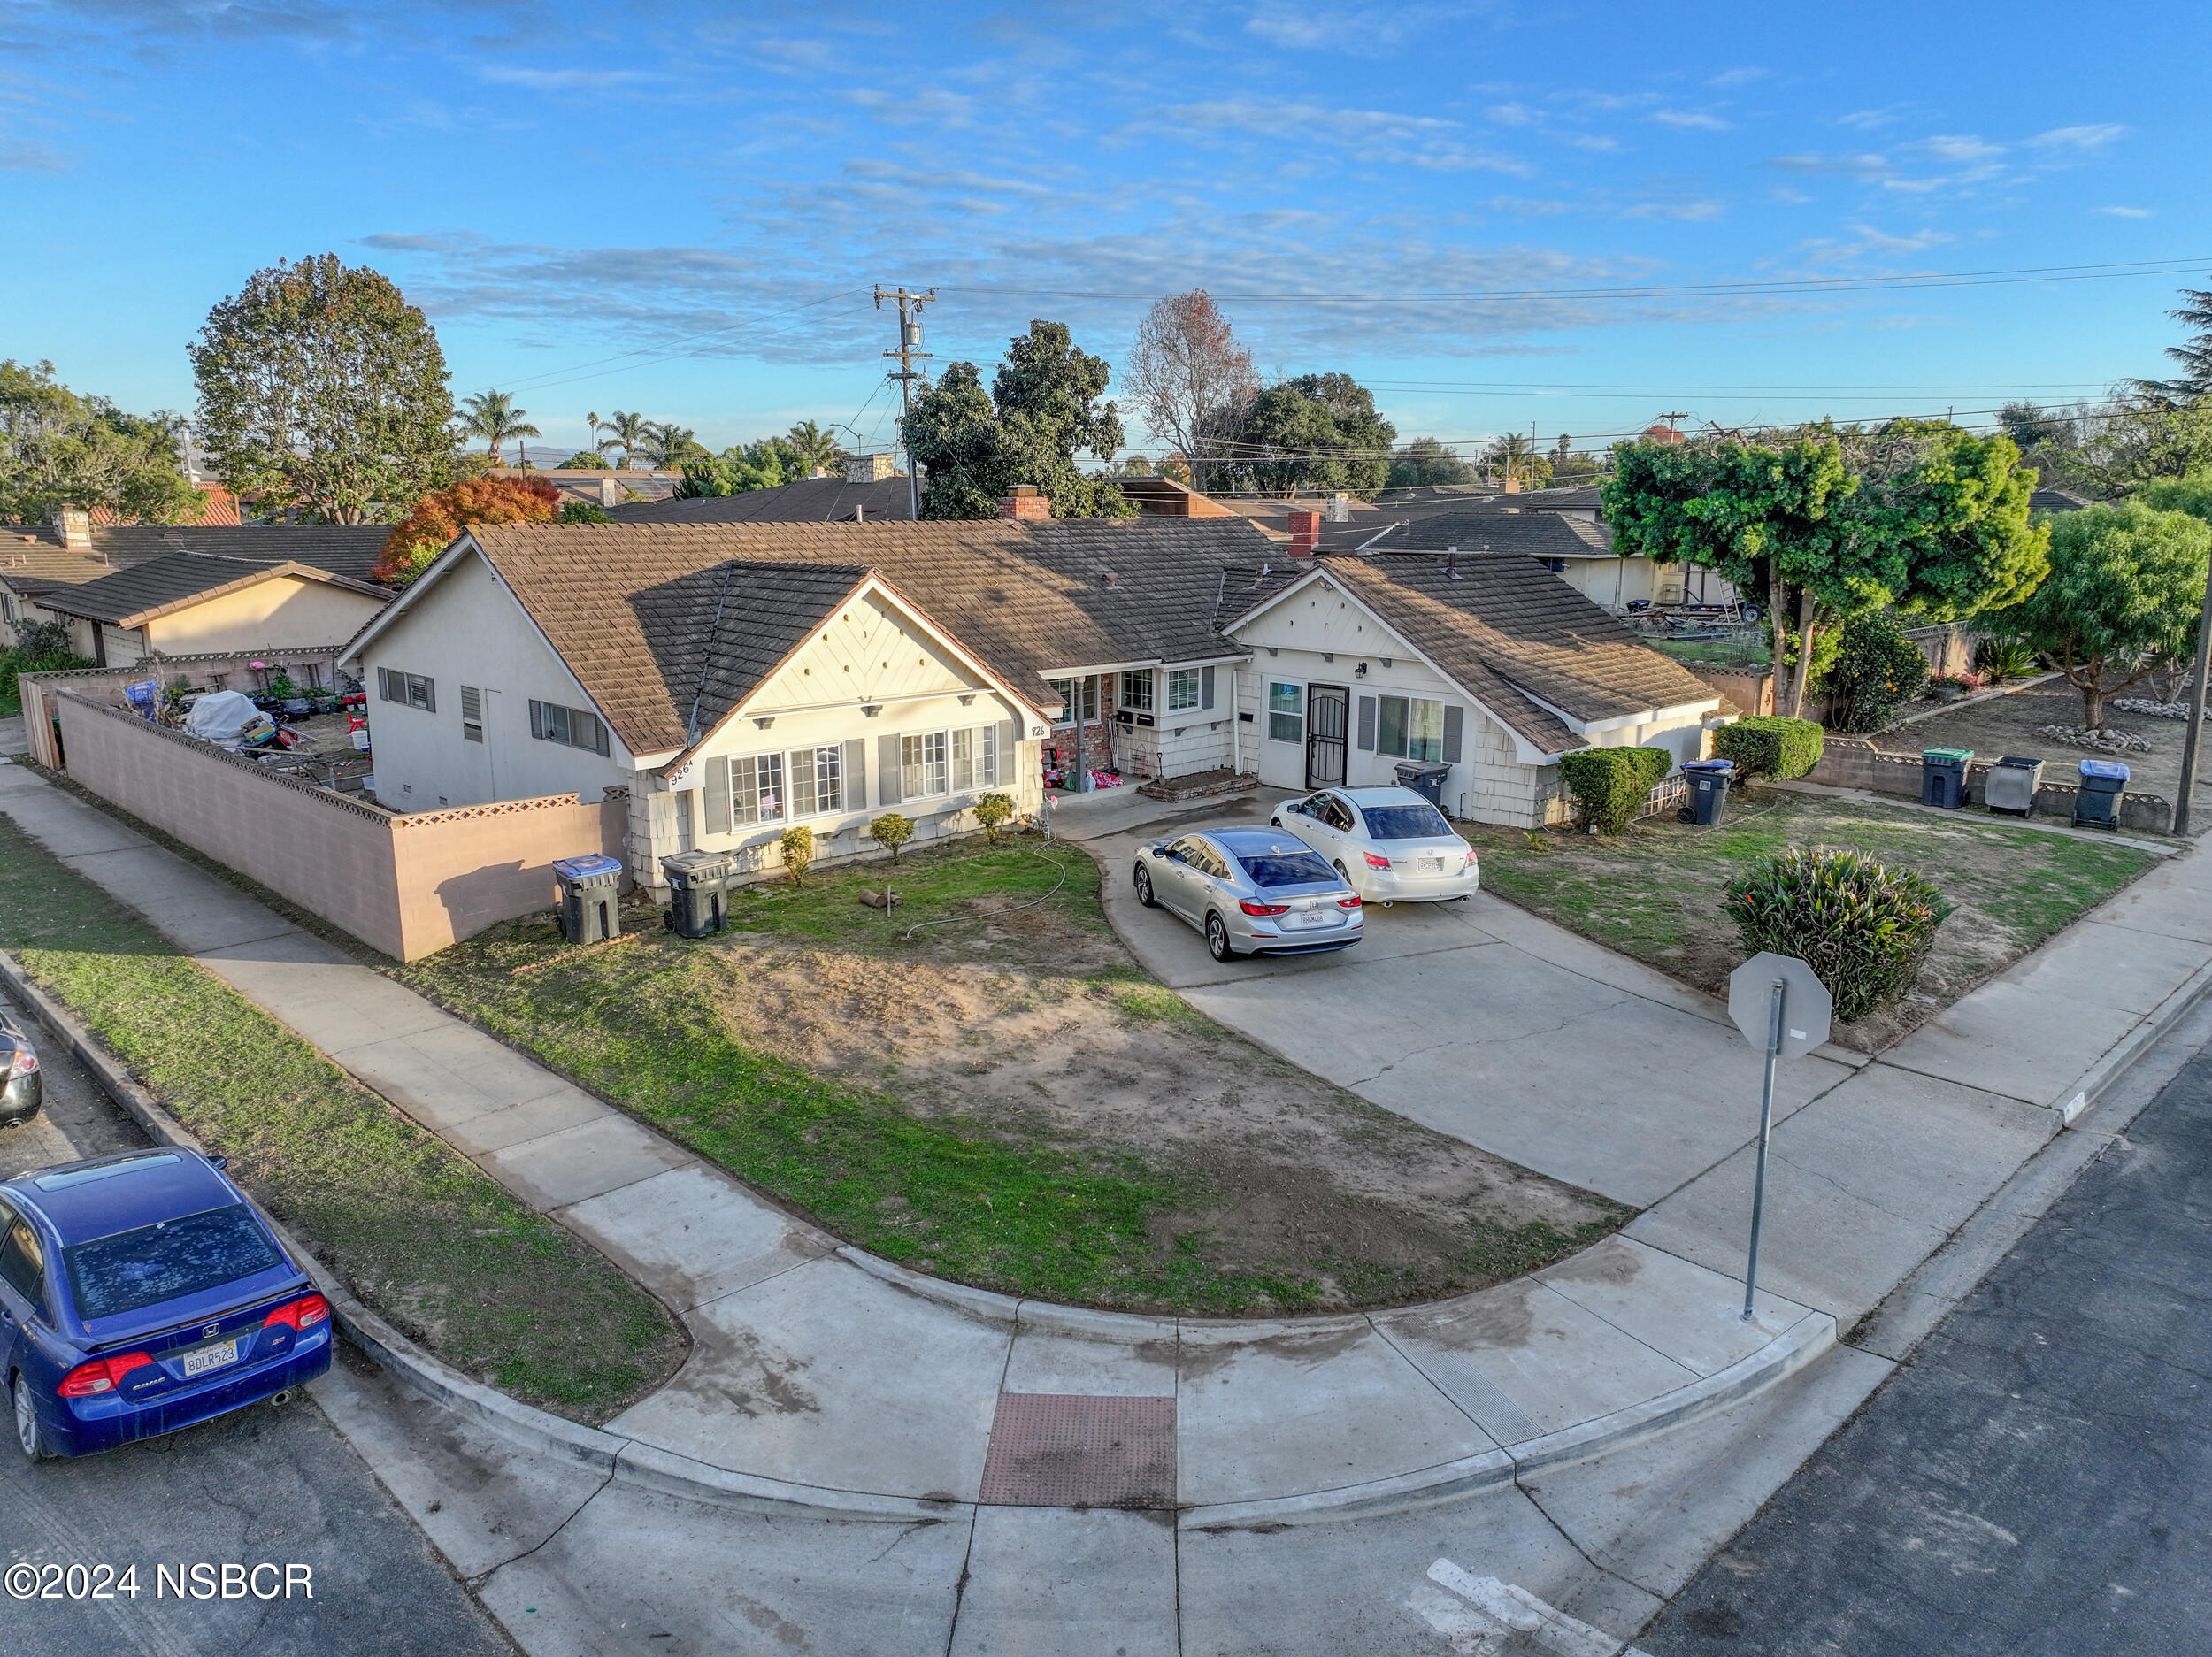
x,y
131,1269
1287,868
1405,822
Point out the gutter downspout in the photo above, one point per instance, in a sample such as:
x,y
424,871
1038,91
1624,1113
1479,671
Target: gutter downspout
x,y
1236,735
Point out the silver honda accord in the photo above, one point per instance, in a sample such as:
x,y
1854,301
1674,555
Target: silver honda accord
x,y
1251,892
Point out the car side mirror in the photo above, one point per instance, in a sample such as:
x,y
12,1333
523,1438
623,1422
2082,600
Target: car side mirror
x,y
1159,851
218,1161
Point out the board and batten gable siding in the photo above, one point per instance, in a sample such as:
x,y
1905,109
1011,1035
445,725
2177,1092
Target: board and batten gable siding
x,y
471,630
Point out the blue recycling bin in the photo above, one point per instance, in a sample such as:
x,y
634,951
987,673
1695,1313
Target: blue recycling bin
x,y
2097,799
1709,780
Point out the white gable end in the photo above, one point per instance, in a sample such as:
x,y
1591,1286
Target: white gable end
x,y
870,652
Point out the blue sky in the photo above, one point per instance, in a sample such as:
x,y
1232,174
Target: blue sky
x,y
682,211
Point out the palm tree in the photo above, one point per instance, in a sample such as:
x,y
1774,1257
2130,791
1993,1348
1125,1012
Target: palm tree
x,y
492,415
817,451
1515,455
632,433
669,445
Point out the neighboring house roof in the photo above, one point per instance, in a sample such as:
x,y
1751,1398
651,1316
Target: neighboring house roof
x,y
218,506
1536,534
1029,598
32,559
582,484
1515,638
809,501
160,586
2057,501
1164,497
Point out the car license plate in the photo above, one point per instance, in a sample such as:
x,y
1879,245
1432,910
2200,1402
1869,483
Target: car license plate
x,y
1428,865
210,1358
1308,918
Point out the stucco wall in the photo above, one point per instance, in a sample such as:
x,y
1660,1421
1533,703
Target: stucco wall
x,y
309,612
407,887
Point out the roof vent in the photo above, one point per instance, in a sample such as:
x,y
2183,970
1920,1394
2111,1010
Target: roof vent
x,y
1451,563
1110,578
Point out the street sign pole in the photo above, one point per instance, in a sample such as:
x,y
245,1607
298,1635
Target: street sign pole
x,y
1780,999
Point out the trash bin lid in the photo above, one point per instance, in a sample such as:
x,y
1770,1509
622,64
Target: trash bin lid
x,y
696,864
1721,766
1422,768
584,868
1954,755
2016,759
2111,770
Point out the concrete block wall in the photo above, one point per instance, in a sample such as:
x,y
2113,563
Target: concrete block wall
x,y
1850,763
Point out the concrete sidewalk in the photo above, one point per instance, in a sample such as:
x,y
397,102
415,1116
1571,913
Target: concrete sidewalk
x,y
824,1380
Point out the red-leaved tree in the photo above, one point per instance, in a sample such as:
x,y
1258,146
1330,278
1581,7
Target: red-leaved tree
x,y
441,516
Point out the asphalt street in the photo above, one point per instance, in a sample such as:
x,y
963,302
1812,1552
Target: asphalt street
x,y
265,1485
2038,1480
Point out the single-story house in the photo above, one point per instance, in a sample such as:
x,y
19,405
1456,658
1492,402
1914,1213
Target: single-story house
x,y
1563,530
1481,661
130,591
734,679
607,486
868,491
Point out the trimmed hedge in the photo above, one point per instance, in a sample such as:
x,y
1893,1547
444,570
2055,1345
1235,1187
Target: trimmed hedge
x,y
1864,928
1768,745
1612,784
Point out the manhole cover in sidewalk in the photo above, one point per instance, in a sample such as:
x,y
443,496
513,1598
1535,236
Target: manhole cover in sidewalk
x,y
1077,1450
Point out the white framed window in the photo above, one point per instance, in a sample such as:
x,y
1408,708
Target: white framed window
x,y
925,768
411,690
1136,690
1286,713
975,758
1182,688
1409,727
1068,689
756,790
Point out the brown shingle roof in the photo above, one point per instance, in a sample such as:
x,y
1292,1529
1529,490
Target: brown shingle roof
x,y
1512,633
808,500
133,595
1027,598
1533,533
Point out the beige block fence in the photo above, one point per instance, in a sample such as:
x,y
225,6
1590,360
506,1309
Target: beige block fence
x,y
406,884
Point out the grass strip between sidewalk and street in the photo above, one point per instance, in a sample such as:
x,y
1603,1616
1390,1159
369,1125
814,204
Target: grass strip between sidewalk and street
x,y
415,1230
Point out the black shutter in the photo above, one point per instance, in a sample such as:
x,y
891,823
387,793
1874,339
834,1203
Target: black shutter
x,y
1367,725
1453,714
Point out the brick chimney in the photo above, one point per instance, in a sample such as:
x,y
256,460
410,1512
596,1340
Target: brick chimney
x,y
1025,500
868,468
75,525
1305,534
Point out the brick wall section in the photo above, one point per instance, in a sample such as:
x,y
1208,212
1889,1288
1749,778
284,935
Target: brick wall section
x,y
406,886
1846,763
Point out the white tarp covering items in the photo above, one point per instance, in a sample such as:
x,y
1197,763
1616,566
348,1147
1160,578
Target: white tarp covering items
x,y
220,715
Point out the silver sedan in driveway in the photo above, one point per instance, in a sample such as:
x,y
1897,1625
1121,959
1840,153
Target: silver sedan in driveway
x,y
1390,844
1251,892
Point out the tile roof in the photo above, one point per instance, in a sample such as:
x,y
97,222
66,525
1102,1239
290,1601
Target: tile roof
x,y
131,596
1027,598
808,500
1512,634
348,549
1536,534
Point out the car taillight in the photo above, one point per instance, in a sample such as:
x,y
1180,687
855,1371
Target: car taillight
x,y
1351,902
301,1314
102,1374
1250,907
24,1062
1374,862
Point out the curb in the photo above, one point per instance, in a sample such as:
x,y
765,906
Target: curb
x,y
2118,1059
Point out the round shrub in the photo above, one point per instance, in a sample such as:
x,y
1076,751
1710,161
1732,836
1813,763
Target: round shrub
x,y
798,851
991,810
1768,745
1876,671
1612,784
891,831
1864,928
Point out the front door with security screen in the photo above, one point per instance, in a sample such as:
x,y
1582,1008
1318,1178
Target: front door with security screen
x,y
1328,708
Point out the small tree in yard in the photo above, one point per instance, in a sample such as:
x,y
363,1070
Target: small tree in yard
x,y
991,811
438,518
798,851
891,831
1876,671
2122,599
1863,928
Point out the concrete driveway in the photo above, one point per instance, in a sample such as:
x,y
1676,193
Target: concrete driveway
x,y
1481,1021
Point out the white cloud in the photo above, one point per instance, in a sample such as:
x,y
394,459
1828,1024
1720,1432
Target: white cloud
x,y
1955,147
1695,118
930,106
25,156
1378,136
565,80
2078,137
1872,120
2123,212
1596,142
1360,30
1737,77
1859,167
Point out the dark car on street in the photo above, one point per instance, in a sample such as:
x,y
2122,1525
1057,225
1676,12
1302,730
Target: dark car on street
x,y
21,1087
141,1292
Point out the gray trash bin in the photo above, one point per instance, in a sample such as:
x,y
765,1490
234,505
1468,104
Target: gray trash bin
x,y
1943,776
1709,780
2011,784
1425,778
591,894
697,882
2097,804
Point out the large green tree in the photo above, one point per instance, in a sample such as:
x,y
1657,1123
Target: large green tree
x,y
1317,432
1425,461
2122,601
1046,405
60,449
323,391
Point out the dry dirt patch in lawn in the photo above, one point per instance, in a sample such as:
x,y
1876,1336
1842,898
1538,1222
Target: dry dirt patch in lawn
x,y
1655,893
1138,1154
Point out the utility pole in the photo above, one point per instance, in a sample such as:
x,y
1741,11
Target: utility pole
x,y
909,352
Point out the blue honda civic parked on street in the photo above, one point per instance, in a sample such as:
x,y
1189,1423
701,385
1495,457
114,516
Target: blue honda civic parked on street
x,y
141,1292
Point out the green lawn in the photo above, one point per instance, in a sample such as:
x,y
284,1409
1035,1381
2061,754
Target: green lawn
x,y
981,1084
417,1230
1654,893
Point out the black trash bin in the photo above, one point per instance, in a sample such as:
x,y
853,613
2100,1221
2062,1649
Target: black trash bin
x,y
1425,778
590,898
2097,803
1943,776
1709,780
696,884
